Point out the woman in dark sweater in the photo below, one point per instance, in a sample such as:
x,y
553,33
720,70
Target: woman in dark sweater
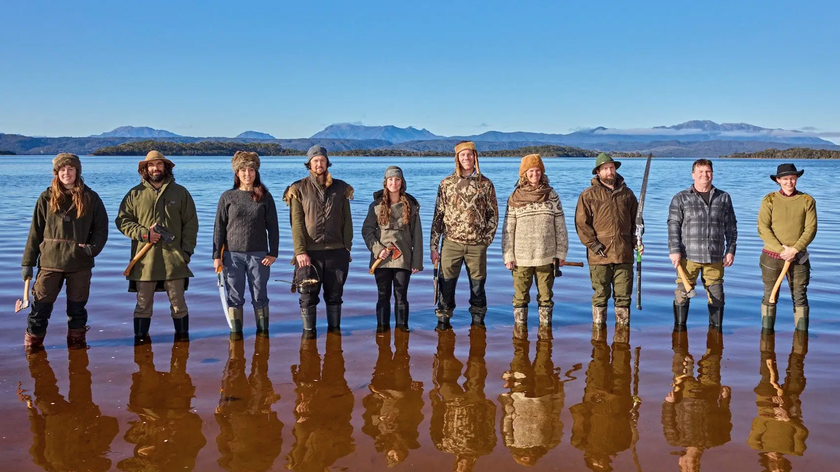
x,y
246,227
69,228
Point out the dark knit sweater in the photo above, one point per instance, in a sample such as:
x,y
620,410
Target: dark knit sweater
x,y
243,225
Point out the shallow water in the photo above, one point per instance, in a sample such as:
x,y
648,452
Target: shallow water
x,y
353,404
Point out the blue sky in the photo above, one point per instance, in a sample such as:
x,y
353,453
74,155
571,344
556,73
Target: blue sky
x,y
291,68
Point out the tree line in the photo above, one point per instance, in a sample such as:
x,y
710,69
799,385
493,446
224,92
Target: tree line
x,y
787,154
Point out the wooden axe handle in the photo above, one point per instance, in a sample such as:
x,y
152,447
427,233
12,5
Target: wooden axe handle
x,y
375,265
136,258
222,257
26,284
778,284
573,264
684,278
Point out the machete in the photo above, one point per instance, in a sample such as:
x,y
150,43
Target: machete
x,y
220,276
640,230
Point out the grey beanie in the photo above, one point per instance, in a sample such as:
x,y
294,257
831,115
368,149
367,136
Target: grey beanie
x,y
394,171
316,150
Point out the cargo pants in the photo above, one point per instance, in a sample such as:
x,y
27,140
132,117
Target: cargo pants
x,y
611,278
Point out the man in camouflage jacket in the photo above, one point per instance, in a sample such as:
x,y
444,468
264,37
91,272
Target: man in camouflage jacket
x,y
466,216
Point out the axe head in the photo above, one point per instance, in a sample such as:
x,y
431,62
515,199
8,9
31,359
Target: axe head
x,y
395,253
165,236
21,304
691,293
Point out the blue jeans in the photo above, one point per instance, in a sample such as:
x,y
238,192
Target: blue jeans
x,y
246,265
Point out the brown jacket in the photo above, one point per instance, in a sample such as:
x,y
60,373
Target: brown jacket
x,y
320,214
607,217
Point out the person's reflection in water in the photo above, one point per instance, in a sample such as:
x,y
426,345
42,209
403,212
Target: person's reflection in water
x,y
67,434
778,429
531,423
393,409
167,434
603,421
323,409
695,413
463,419
250,436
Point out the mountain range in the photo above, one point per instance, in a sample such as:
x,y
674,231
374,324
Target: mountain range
x,y
696,138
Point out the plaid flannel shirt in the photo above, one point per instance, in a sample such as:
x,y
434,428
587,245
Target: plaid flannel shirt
x,y
699,232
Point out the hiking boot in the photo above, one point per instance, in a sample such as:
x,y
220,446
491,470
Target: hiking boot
x,y
76,338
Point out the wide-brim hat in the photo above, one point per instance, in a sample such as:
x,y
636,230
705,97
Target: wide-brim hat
x,y
786,169
153,156
602,159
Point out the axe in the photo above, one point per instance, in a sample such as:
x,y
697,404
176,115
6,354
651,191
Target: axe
x,y
395,254
690,293
775,292
165,237
23,304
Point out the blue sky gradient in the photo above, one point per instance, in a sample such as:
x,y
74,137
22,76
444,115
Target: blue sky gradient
x,y
215,68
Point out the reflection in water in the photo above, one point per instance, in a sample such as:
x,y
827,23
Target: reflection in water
x,y
167,434
778,429
393,409
67,434
323,409
531,423
250,435
605,421
463,419
695,413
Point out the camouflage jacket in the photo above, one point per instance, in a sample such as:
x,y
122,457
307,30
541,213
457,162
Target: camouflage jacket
x,y
466,211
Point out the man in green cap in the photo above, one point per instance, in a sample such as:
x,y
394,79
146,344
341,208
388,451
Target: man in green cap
x,y
605,224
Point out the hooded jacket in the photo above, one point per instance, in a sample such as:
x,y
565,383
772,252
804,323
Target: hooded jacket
x,y
607,217
408,238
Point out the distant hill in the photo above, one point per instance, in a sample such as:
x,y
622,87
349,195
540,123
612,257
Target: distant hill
x,y
788,154
254,135
136,132
385,133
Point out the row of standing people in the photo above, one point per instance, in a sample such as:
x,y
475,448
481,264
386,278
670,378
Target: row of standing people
x,y
167,432
69,229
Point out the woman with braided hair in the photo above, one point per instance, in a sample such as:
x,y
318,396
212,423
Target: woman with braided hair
x,y
393,222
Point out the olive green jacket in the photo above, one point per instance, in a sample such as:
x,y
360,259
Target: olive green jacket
x,y
54,238
172,207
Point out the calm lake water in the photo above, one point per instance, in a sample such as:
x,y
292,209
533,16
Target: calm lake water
x,y
637,400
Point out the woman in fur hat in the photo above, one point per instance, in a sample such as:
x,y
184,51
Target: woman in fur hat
x,y
246,227
534,238
393,221
69,228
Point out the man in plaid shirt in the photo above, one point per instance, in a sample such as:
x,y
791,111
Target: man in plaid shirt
x,y
702,231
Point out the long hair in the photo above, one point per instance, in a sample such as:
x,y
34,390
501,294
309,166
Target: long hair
x,y
167,171
259,189
78,195
384,216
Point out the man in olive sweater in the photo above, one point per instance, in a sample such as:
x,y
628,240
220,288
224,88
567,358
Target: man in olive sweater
x,y
787,223
322,234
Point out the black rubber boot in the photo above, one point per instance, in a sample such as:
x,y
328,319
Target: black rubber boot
x,y
76,338
383,318
401,317
680,315
307,318
141,330
334,318
182,328
715,316
443,325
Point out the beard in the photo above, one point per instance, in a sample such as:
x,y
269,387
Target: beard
x,y
608,180
157,178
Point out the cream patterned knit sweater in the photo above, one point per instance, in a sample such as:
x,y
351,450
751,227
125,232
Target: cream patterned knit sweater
x,y
536,233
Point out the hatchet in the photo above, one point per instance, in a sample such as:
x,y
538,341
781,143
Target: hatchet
x,y
165,237
690,293
395,254
23,304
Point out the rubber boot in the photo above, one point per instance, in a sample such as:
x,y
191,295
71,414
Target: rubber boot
x,y
800,317
546,314
39,318
182,328
32,343
443,324
261,318
599,315
383,318
307,317
401,317
477,319
520,315
76,338
141,330
622,315
236,315
680,315
768,318
715,316
334,318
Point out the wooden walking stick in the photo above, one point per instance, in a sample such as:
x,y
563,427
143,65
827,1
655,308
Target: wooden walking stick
x,y
778,284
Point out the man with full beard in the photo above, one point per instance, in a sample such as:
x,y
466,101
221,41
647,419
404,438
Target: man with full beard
x,y
605,223
158,203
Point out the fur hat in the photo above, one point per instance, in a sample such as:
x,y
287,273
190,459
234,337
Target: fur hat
x,y
602,159
245,159
65,159
317,150
153,156
531,160
462,146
